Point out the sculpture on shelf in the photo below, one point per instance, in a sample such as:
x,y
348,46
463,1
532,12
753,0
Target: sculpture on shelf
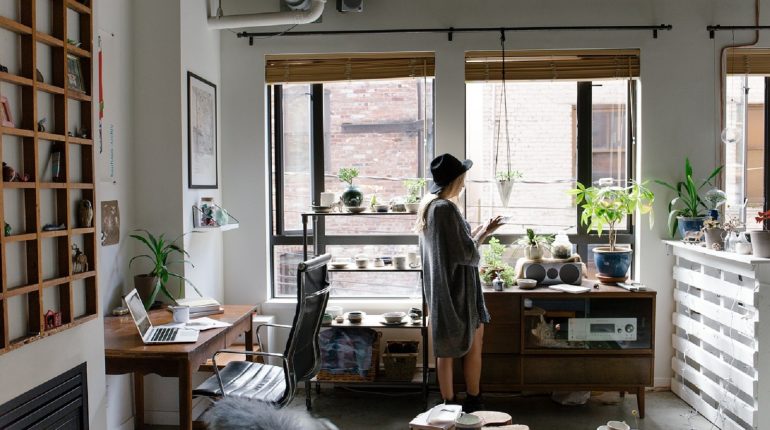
x,y
54,227
52,319
82,133
41,125
9,173
85,213
3,68
39,76
79,260
7,229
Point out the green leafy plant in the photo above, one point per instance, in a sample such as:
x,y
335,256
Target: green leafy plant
x,y
347,174
160,253
610,205
688,202
532,239
414,189
509,175
493,264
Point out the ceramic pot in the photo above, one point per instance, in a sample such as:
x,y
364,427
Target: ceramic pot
x,y
533,252
145,284
352,196
612,264
760,243
689,224
412,207
715,236
504,188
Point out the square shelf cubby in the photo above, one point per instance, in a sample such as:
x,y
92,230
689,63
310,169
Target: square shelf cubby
x,y
82,210
19,213
84,297
53,209
21,265
23,316
57,306
52,161
56,254
19,156
82,254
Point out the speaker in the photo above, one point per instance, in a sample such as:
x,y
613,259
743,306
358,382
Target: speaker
x,y
550,273
350,5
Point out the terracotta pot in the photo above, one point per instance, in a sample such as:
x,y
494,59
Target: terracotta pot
x,y
145,284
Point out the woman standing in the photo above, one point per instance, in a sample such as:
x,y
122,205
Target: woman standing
x,y
452,285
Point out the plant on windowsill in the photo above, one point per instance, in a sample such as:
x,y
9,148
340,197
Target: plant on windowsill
x,y
160,254
414,189
686,210
714,233
493,266
505,181
352,196
535,244
605,207
760,239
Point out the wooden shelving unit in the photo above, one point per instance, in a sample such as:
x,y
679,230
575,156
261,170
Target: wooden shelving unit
x,y
43,260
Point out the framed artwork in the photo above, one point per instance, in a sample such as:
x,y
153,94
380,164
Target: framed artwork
x,y
201,133
6,117
110,223
75,74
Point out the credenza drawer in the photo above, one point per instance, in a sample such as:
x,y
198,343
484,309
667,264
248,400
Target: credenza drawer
x,y
502,338
565,370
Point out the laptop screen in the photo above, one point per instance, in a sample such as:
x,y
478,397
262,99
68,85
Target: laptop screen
x,y
138,313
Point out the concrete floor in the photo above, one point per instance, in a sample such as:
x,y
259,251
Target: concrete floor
x,y
353,410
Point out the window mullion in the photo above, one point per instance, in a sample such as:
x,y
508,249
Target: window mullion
x,y
317,158
584,154
277,124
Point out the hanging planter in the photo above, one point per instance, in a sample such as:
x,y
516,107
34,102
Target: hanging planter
x,y
505,181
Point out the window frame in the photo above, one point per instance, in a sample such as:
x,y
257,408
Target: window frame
x,y
281,237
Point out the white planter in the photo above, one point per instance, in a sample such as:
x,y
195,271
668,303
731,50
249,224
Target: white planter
x,y
533,252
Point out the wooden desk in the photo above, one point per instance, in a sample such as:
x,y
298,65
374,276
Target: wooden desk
x,y
126,353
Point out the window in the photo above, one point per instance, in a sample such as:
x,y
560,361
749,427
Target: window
x,y
550,145
744,138
384,127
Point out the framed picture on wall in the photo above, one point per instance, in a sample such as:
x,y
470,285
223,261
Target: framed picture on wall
x,y
75,74
6,117
201,132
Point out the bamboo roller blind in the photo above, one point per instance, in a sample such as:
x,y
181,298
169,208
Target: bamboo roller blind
x,y
748,61
550,65
343,67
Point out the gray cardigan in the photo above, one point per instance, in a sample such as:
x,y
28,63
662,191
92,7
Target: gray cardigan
x,y
451,279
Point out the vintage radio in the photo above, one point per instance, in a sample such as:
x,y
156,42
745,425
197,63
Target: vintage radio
x,y
598,329
550,273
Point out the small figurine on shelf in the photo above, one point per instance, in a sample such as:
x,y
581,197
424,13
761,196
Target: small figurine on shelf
x,y
79,260
52,319
3,68
82,133
54,227
69,133
11,175
7,229
85,213
39,76
74,42
41,125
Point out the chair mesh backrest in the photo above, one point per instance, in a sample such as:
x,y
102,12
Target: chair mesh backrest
x,y
312,294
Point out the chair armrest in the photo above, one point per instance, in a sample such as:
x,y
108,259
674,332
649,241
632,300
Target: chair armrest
x,y
259,341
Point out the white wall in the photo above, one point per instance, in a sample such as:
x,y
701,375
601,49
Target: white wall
x,y
679,115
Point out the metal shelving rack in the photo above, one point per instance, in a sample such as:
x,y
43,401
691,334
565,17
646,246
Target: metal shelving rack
x,y
372,321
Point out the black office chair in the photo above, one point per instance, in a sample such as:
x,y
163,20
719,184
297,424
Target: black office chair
x,y
301,358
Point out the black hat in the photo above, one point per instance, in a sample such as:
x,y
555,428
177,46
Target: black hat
x,y
446,168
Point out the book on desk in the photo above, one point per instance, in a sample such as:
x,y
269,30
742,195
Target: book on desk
x,y
200,306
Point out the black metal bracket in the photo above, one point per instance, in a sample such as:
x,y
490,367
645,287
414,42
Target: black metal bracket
x,y
714,28
450,33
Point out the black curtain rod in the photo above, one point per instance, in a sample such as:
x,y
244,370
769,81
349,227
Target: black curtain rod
x,y
712,28
451,30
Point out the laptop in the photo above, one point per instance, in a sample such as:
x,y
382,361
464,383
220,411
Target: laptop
x,y
150,334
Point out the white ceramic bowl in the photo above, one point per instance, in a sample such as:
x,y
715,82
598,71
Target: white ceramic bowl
x,y
356,209
334,311
356,316
393,317
526,283
618,425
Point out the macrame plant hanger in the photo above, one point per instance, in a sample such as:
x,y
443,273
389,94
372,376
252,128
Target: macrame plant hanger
x,y
504,178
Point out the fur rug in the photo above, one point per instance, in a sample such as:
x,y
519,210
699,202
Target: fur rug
x,y
241,414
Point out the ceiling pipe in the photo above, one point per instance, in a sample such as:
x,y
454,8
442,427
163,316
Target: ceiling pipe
x,y
294,17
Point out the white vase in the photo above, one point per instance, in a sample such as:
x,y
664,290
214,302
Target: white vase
x,y
533,252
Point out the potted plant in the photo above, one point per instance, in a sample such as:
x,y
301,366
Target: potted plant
x,y
715,234
535,244
686,210
760,239
493,266
160,252
505,181
713,199
414,189
352,196
606,206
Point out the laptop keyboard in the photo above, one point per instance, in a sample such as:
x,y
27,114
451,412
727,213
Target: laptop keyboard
x,y
163,334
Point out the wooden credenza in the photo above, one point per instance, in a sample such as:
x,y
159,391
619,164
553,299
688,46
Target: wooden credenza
x,y
515,359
